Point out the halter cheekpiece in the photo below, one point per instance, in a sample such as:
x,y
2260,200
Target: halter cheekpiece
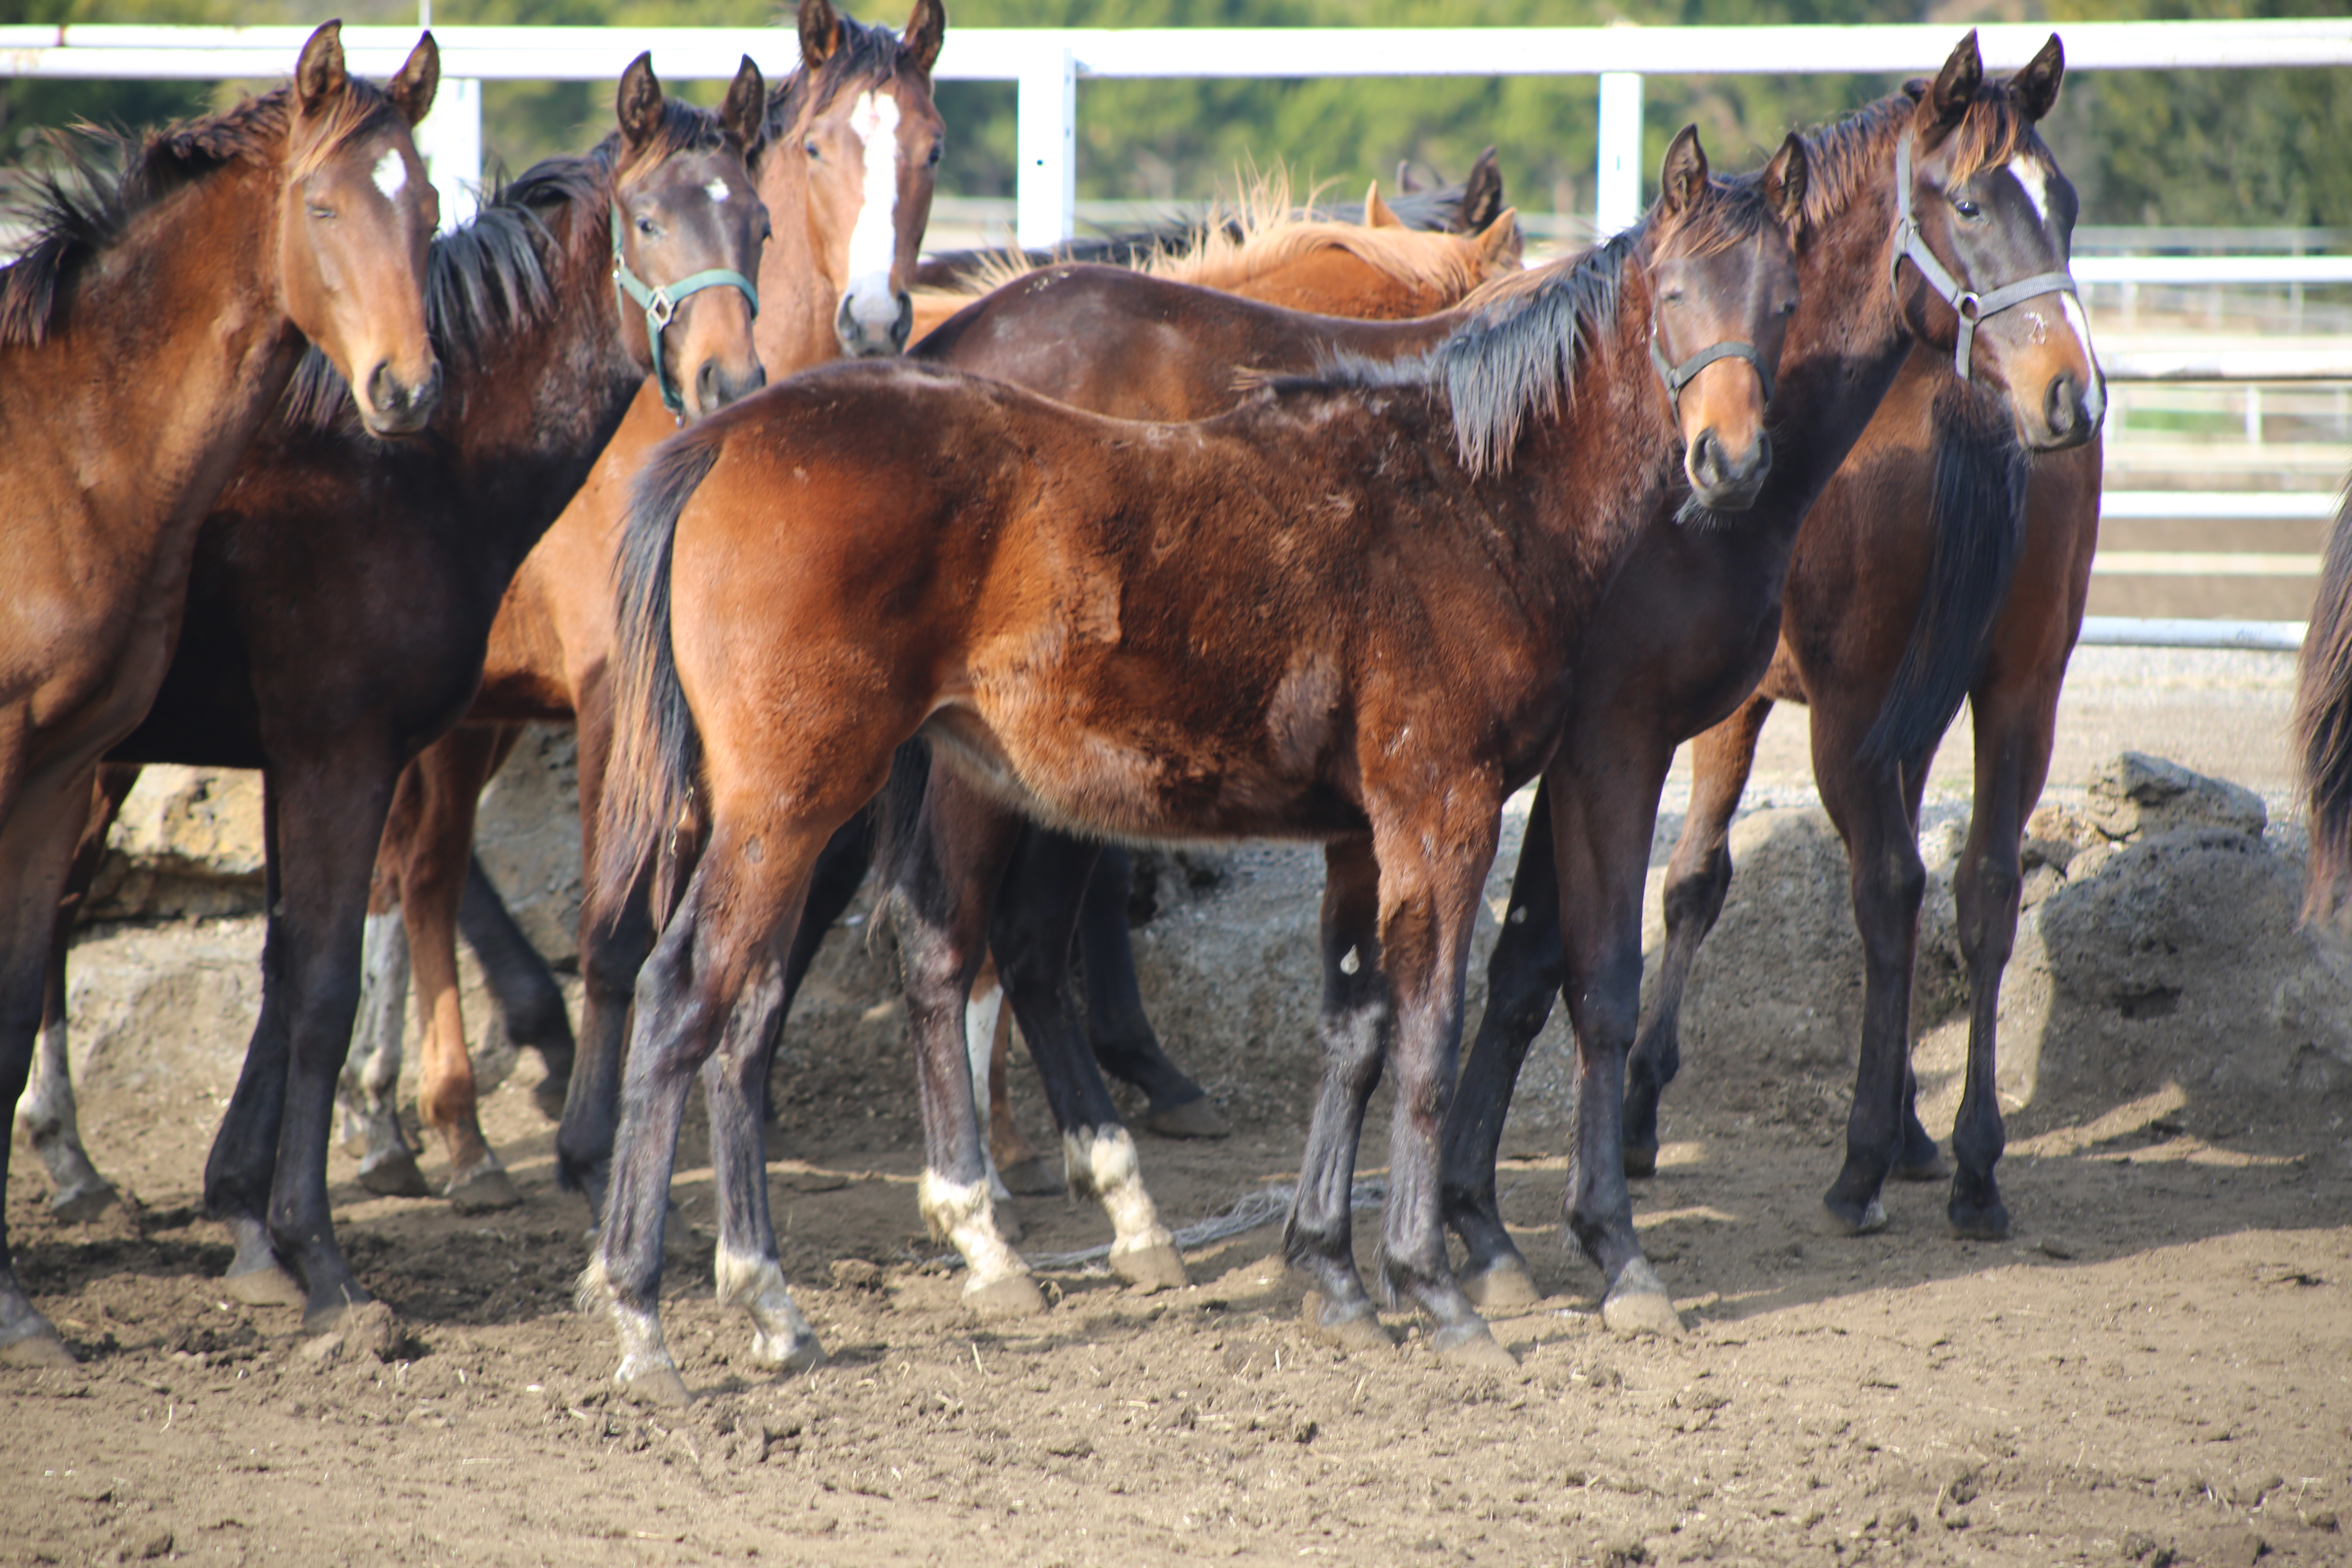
x,y
660,305
1966,304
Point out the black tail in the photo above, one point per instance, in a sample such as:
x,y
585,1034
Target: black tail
x,y
656,758
2323,723
897,811
1977,508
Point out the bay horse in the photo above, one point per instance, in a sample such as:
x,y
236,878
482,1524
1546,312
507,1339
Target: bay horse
x,y
1911,584
1347,610
550,652
2323,723
857,141
342,589
145,335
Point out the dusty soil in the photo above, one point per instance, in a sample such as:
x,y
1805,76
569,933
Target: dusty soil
x,y
2158,1367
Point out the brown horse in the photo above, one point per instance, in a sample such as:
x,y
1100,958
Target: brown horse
x,y
554,634
1347,611
856,118
143,337
342,588
2323,723
1875,560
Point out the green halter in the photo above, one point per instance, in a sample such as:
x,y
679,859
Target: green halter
x,y
661,304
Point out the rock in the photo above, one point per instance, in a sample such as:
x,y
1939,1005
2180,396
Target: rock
x,y
528,837
2138,795
188,841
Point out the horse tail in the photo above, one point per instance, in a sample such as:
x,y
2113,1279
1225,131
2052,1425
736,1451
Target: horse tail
x,y
898,811
657,760
2323,723
1976,507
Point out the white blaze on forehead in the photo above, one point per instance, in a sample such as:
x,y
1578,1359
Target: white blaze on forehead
x,y
2034,181
717,191
391,174
874,241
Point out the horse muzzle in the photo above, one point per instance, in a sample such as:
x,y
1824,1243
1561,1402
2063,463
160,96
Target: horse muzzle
x,y
2071,412
864,336
1725,481
395,407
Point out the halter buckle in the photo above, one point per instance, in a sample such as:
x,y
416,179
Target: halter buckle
x,y
660,308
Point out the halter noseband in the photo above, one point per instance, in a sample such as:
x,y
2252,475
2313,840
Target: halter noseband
x,y
1677,376
1968,305
660,305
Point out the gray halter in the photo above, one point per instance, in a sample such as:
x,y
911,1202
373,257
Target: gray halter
x,y
1677,376
1968,305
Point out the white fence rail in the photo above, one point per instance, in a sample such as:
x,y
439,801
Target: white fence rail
x,y
1048,63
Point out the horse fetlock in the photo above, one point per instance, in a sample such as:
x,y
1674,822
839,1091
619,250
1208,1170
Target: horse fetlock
x,y
963,1214
1102,1165
646,1369
781,1337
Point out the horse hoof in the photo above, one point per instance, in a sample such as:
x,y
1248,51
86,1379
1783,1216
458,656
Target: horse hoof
x,y
1973,1222
1031,1178
803,1354
1638,1304
483,1190
1014,1296
659,1385
1838,1221
1505,1286
364,1326
83,1203
1194,1119
1355,1333
1473,1345
395,1175
1640,1161
269,1286
1152,1269
38,1351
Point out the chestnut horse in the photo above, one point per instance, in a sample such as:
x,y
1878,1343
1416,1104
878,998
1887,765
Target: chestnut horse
x,y
143,337
1876,557
554,636
342,589
1347,611
2323,723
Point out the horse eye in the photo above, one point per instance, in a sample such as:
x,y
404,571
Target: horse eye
x,y
810,147
1966,208
647,227
937,149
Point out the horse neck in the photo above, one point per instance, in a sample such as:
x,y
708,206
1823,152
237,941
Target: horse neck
x,y
185,319
1337,283
798,295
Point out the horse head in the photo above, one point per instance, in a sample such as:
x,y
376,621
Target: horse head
x,y
687,229
1723,279
353,227
1983,225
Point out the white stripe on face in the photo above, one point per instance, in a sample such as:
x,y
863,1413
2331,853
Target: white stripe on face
x,y
717,191
391,174
2034,180
874,242
2096,398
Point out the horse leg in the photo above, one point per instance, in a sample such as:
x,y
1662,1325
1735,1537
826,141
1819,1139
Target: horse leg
x,y
449,780
1698,878
721,945
1876,813
368,1089
45,1116
1036,914
841,868
523,988
1523,976
1318,1235
1601,827
40,826
266,1177
1125,1044
1434,856
1023,1171
2014,730
947,876
616,932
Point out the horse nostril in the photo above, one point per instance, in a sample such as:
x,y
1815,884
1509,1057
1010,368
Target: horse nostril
x,y
709,391
2062,408
1706,458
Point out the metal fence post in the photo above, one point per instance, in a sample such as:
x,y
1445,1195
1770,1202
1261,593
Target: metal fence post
x,y
1046,189
451,141
1617,178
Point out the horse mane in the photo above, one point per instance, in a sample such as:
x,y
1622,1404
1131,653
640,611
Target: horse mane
x,y
866,53
77,210
2323,723
487,279
1842,158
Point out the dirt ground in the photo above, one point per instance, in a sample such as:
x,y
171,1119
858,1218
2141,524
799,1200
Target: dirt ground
x,y
2157,1368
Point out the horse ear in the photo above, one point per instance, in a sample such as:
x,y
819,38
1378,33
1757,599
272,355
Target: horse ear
x,y
1956,85
1406,184
1376,211
1682,178
1482,194
2036,86
412,91
319,74
744,115
1784,185
638,105
927,29
1500,242
820,33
